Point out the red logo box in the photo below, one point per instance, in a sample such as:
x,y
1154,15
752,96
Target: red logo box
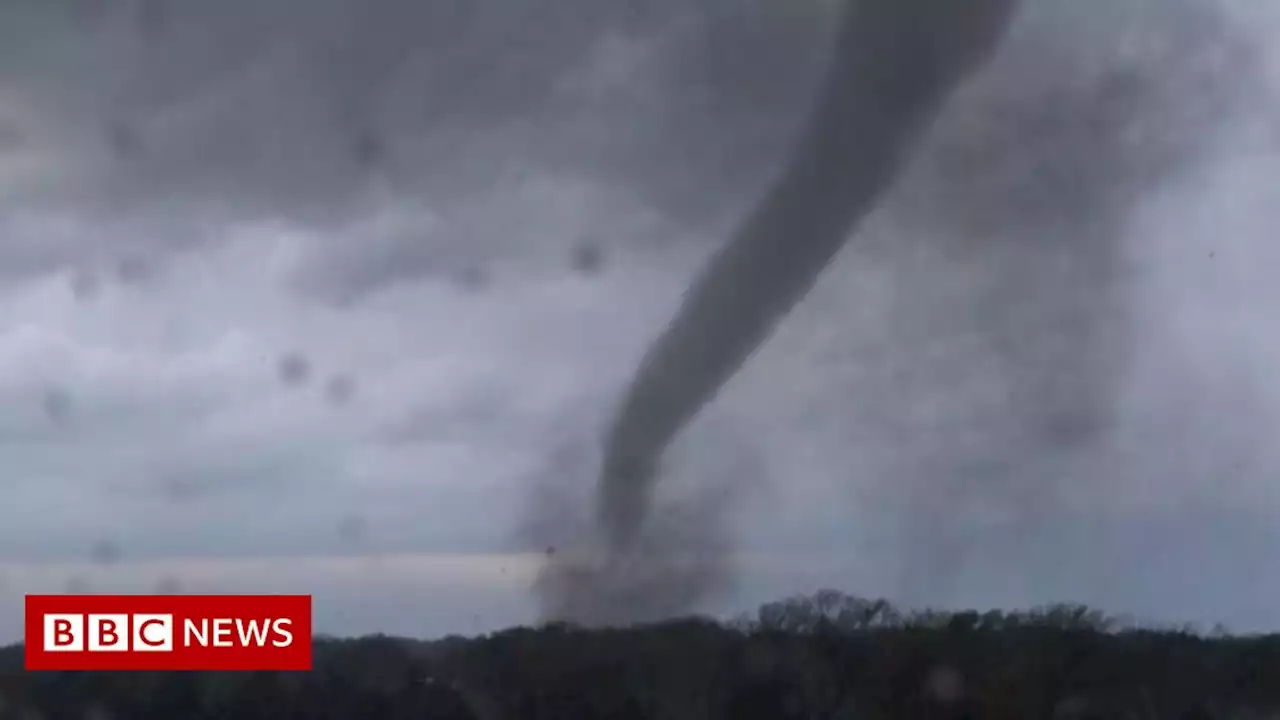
x,y
168,632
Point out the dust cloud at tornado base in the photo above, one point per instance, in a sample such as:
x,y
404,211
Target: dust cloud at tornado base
x,y
993,386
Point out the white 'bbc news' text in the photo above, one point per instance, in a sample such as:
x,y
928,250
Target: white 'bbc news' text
x,y
147,632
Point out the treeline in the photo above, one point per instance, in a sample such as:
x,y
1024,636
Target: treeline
x,y
824,656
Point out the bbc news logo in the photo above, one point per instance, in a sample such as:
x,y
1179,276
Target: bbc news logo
x,y
168,632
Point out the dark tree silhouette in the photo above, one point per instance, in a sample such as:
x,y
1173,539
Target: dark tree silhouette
x,y
819,656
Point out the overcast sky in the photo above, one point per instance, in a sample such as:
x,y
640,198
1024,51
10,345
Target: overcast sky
x,y
322,299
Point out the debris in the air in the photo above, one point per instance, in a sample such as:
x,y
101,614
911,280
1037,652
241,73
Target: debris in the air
x,y
294,369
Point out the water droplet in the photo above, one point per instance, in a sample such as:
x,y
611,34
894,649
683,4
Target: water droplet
x,y
294,369
105,552
168,585
97,712
57,405
945,684
352,529
85,284
369,149
12,136
340,389
124,140
587,258
132,270
180,489
472,278
76,585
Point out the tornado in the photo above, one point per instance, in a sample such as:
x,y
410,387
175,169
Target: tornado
x,y
895,64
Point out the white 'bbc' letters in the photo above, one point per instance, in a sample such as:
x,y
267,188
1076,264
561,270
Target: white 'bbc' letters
x,y
108,633
152,633
63,632
115,632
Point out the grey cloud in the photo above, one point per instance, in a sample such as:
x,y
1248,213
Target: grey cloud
x,y
262,102
94,252
257,109
350,270
449,419
527,216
